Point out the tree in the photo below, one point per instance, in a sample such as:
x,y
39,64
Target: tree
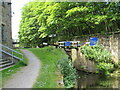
x,y
66,20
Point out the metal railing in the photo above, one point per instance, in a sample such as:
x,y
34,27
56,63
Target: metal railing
x,y
11,52
71,43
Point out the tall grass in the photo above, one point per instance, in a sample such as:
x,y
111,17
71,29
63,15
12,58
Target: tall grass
x,y
49,58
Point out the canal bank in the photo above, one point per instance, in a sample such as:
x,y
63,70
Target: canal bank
x,y
87,69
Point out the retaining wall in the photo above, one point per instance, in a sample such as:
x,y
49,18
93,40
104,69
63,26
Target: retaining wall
x,y
109,42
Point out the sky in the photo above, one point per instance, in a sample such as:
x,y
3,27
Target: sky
x,y
16,17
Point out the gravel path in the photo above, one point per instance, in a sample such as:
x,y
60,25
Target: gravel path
x,y
26,77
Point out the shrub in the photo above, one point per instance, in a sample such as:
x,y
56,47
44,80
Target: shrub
x,y
96,53
105,68
106,84
100,56
69,73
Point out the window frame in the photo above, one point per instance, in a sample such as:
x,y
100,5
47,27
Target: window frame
x,y
3,30
3,3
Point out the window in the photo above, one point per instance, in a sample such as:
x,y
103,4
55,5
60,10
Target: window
x,y
3,3
9,3
3,33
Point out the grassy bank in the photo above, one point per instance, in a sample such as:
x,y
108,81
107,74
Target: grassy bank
x,y
7,73
49,58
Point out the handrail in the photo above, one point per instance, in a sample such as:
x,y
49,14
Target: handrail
x,y
11,54
10,49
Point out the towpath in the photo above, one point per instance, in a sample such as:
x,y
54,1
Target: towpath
x,y
26,77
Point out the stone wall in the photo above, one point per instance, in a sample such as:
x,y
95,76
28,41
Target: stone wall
x,y
81,63
5,19
109,42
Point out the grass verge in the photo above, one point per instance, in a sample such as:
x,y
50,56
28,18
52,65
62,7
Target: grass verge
x,y
49,57
7,73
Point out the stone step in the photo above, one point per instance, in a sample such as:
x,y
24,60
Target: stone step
x,y
5,62
6,65
1,60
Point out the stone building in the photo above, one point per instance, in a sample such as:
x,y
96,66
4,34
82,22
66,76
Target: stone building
x,y
5,24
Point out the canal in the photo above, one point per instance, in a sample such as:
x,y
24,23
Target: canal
x,y
87,80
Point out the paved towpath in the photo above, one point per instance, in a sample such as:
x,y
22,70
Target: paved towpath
x,y
26,77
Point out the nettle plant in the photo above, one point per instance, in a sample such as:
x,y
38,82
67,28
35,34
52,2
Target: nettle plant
x,y
100,56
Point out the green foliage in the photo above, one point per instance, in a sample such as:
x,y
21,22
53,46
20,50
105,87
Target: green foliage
x,y
49,56
96,53
69,73
100,56
105,68
66,19
106,84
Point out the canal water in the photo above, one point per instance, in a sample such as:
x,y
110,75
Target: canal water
x,y
87,81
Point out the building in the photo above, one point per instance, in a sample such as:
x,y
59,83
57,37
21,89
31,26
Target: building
x,y
5,24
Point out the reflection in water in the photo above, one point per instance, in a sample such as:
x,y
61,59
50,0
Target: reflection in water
x,y
86,80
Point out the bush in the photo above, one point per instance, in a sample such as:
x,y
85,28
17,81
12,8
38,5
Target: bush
x,y
96,53
119,64
106,84
105,68
100,56
69,73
